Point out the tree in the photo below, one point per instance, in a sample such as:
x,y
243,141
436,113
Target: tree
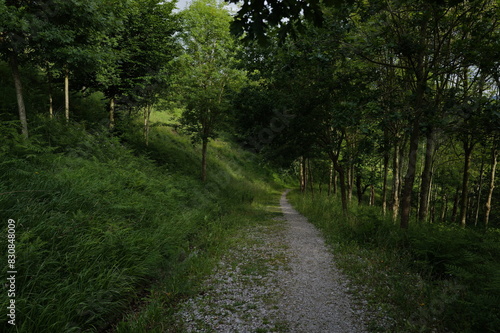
x,y
74,38
14,30
144,50
256,18
426,39
58,36
209,74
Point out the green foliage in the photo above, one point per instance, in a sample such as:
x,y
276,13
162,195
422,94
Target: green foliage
x,y
428,278
98,224
144,48
208,76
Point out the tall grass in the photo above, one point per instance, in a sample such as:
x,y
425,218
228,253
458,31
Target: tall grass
x,y
100,227
430,278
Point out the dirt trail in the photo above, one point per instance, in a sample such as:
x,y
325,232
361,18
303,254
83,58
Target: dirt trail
x,y
316,298
281,278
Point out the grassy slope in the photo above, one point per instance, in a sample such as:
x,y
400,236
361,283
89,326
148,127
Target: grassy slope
x,y
103,230
432,278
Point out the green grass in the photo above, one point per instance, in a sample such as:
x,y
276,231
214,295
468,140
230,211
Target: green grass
x,y
430,278
109,234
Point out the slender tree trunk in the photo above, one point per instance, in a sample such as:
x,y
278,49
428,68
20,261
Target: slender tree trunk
x,y
301,183
66,94
494,161
342,179
204,146
409,177
372,195
112,113
465,183
343,189
456,200
335,183
330,179
479,190
433,211
350,180
311,180
384,182
300,175
147,115
303,168
347,175
431,198
19,94
359,191
396,180
49,83
444,209
425,186
402,165
51,106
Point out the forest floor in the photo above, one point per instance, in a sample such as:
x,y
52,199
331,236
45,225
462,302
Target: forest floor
x,y
278,277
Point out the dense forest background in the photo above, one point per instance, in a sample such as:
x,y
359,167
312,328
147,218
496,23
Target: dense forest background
x,y
390,106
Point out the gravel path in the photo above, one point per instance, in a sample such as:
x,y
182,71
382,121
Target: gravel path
x,y
281,278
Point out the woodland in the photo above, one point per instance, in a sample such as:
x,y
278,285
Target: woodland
x,y
136,137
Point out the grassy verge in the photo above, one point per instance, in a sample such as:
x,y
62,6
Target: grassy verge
x,y
103,230
431,278
161,311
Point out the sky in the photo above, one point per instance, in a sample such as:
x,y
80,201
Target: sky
x,y
181,4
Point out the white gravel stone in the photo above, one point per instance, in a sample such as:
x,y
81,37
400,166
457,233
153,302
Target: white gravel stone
x,y
284,280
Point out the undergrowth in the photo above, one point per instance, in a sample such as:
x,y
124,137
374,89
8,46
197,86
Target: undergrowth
x,y
108,231
430,278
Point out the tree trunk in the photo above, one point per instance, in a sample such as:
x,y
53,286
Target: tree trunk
x,y
409,177
49,84
479,190
112,113
494,161
301,182
395,180
147,115
444,209
342,179
359,191
433,211
372,195
51,106
465,183
343,190
19,94
425,186
350,181
456,200
204,146
335,183
431,198
66,94
311,180
384,182
303,175
330,179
